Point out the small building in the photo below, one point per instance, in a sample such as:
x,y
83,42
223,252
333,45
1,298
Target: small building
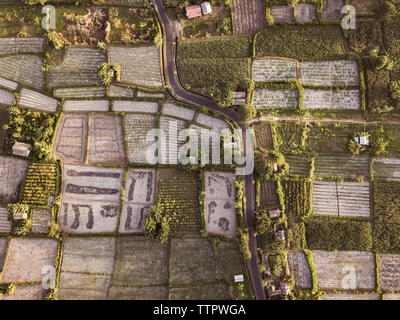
x,y
206,7
362,140
275,213
239,98
193,11
239,278
21,149
276,168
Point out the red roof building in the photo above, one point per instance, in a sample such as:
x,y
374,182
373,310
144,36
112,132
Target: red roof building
x,y
193,11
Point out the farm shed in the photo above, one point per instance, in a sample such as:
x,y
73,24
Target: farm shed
x,y
206,7
193,11
276,213
363,140
21,149
239,278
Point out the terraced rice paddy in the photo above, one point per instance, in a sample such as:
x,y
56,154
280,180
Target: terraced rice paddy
x,y
37,101
123,92
342,166
137,127
20,45
143,94
248,16
275,98
211,122
24,69
331,99
79,68
8,84
12,173
274,70
389,271
139,65
342,199
6,98
281,14
82,92
86,105
171,109
135,106
171,129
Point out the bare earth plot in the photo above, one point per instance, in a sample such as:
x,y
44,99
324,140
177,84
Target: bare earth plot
x,y
282,14
248,16
204,292
83,92
71,138
268,194
332,9
141,263
26,257
193,261
139,65
87,267
3,251
20,45
8,84
6,97
38,101
331,99
171,128
5,223
346,270
135,106
274,70
86,105
139,196
387,169
40,220
299,164
341,166
137,127
91,199
343,199
27,292
123,92
211,122
351,296
24,69
391,296
363,6
220,203
79,67
389,271
106,143
306,12
299,268
12,173
171,109
275,98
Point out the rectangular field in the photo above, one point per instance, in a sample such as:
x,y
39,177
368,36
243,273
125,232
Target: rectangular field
x,y
86,105
83,92
12,173
386,169
389,271
342,166
38,101
135,106
299,268
331,99
20,45
299,165
248,16
274,70
263,134
345,270
268,193
275,98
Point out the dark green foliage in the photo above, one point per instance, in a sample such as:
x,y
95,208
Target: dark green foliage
x,y
297,197
277,263
247,112
306,42
365,37
334,233
157,224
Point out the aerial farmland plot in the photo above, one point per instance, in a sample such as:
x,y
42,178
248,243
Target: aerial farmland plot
x,y
83,92
389,271
386,169
306,12
203,292
274,70
282,13
345,270
71,138
86,105
91,199
122,92
363,6
135,106
12,173
137,127
6,98
275,98
332,10
37,101
139,196
20,45
3,251
341,166
26,257
139,65
170,150
171,109
350,199
27,292
268,195
263,135
78,68
249,16
5,223
300,269
220,203
351,296
331,99
299,165
106,143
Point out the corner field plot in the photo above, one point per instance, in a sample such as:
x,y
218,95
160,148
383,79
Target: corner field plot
x,y
387,169
87,267
263,135
332,10
27,292
5,223
38,101
83,92
306,12
282,14
351,296
248,16
347,270
79,67
41,219
171,129
331,99
12,173
140,262
299,268
26,257
106,143
139,65
3,251
299,164
341,166
24,69
389,271
211,122
330,73
8,84
268,194
71,138
139,196
20,45
171,109
91,199
343,199
6,98
274,70
275,98
137,127
203,292
220,203
193,261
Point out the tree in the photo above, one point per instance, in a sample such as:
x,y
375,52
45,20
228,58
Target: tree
x,y
157,224
247,112
262,223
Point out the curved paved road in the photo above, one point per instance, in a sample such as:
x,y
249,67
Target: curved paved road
x,y
176,90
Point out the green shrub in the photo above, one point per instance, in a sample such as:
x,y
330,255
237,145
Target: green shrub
x,y
247,112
